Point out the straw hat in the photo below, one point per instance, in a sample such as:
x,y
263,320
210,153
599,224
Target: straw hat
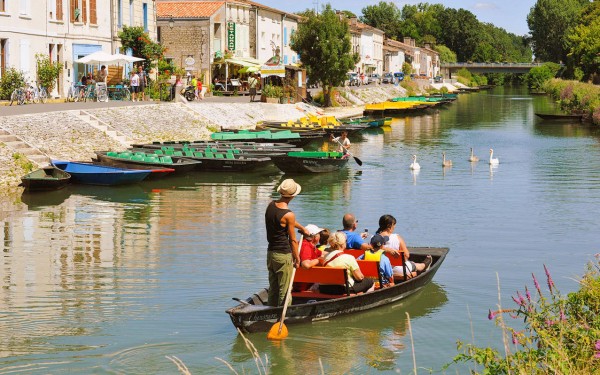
x,y
289,188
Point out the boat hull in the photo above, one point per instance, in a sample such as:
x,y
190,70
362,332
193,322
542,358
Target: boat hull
x,y
252,315
92,174
291,164
44,179
180,165
559,117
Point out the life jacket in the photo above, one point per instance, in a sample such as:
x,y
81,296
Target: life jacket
x,y
373,255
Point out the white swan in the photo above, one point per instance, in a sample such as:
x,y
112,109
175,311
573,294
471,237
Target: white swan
x,y
473,158
446,163
414,165
493,161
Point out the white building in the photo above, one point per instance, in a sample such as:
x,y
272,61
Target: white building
x,y
65,30
367,41
394,56
274,29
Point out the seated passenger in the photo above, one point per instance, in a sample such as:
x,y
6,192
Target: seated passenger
x,y
387,224
323,240
356,240
335,257
309,254
377,254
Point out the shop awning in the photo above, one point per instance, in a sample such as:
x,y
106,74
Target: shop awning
x,y
272,70
241,62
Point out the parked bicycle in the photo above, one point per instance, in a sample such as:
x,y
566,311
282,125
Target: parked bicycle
x,y
97,91
18,96
76,92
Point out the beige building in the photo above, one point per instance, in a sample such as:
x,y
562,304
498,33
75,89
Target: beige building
x,y
66,30
367,41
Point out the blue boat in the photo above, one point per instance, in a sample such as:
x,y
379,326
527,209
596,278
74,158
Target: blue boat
x,y
93,174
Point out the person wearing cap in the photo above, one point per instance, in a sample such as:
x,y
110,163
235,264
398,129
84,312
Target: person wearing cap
x,y
309,254
387,224
335,257
282,253
377,254
356,240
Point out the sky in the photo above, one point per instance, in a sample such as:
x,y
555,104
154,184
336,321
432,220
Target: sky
x,y
510,15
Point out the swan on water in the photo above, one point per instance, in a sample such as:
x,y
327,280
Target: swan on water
x,y
473,158
445,163
414,165
493,160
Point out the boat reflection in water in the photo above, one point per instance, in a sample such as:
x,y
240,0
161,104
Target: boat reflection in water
x,y
347,344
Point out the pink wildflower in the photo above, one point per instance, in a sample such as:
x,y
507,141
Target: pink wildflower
x,y
491,315
521,299
550,282
536,284
514,338
527,294
562,315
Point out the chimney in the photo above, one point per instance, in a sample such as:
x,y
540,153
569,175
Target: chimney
x,y
353,21
406,40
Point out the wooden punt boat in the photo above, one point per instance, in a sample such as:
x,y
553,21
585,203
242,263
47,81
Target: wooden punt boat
x,y
561,117
46,178
310,162
372,122
253,315
128,159
93,174
269,135
254,149
209,159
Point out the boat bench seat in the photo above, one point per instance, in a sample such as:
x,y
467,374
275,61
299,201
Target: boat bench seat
x,y
309,154
321,275
370,269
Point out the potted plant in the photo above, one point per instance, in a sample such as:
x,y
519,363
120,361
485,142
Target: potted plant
x,y
271,94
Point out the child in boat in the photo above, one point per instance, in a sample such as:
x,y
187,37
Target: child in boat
x,y
323,240
377,254
310,256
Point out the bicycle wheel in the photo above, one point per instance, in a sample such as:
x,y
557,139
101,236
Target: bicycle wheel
x,y
14,97
21,97
70,96
43,95
102,95
78,94
125,94
35,96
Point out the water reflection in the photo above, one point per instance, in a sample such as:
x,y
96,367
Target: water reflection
x,y
374,339
565,129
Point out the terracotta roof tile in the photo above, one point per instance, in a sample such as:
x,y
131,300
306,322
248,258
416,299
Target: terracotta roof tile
x,y
187,9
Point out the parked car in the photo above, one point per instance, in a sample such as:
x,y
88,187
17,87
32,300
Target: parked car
x,y
399,76
438,79
353,79
374,78
387,78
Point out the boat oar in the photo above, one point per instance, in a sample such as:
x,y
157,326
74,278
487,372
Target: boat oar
x,y
357,160
279,331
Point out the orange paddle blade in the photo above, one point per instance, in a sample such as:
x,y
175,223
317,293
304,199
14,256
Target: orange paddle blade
x,y
274,333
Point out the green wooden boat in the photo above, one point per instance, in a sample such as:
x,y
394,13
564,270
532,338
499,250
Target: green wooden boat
x,y
310,161
372,122
47,178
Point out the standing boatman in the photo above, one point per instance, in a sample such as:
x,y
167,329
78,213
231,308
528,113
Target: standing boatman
x,y
282,254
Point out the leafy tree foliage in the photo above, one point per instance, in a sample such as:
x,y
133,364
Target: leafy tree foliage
x,y
539,75
141,45
549,21
583,41
383,16
323,42
446,55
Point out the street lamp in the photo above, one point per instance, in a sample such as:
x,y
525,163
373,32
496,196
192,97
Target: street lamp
x,y
171,22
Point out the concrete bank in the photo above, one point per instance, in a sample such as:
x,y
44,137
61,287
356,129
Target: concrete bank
x,y
30,140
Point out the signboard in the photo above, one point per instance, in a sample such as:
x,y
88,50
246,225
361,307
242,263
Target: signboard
x,y
231,36
272,70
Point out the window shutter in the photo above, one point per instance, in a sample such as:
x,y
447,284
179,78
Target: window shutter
x,y
93,17
84,11
59,10
73,6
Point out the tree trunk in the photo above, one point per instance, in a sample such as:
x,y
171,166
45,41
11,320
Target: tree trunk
x,y
327,96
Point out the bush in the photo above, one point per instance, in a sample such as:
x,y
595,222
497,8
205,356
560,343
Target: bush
x,y
539,75
11,80
575,96
47,71
561,335
271,91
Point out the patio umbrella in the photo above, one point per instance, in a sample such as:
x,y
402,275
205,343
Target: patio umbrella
x,y
98,57
119,58
252,69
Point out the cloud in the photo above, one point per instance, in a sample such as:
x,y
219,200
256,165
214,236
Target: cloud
x,y
485,6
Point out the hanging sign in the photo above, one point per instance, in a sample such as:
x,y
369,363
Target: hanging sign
x,y
231,36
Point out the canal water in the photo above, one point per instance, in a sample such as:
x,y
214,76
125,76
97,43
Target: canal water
x,y
113,280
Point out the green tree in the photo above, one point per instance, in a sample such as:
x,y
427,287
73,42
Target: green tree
x,y
549,21
461,32
141,45
583,41
383,16
323,42
446,55
539,75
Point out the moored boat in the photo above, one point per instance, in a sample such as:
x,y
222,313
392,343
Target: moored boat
x,y
46,178
562,117
310,161
269,135
128,159
253,315
94,174
371,121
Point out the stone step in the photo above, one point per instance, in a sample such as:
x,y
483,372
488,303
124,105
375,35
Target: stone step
x,y
16,144
8,138
4,132
28,151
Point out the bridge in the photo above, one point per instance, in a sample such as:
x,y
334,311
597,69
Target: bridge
x,y
479,68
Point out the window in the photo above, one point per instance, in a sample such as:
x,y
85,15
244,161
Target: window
x,y
79,10
145,15
58,15
285,42
2,5
119,13
130,12
24,7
